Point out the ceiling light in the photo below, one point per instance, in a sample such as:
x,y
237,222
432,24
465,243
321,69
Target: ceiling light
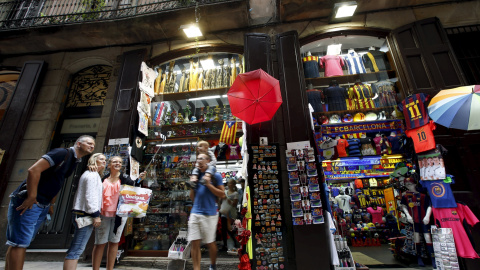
x,y
191,30
344,9
207,64
201,98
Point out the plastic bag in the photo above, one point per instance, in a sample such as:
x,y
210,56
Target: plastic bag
x,y
133,201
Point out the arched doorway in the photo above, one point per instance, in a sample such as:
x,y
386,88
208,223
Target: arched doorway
x,y
80,114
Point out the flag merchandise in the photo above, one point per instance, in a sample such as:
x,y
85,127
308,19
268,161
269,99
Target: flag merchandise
x,y
229,132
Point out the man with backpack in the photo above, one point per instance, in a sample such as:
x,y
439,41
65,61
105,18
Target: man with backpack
x,y
31,201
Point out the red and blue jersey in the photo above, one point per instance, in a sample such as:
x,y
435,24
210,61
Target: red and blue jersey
x,y
417,204
414,110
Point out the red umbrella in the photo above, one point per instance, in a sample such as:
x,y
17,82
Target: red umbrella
x,y
255,96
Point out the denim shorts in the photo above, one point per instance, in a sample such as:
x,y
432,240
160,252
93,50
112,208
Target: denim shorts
x,y
104,233
21,229
80,240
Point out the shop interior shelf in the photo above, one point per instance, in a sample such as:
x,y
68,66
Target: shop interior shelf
x,y
186,124
344,80
364,122
354,111
203,136
192,94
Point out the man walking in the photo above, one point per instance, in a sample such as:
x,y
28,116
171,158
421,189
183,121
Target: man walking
x,y
31,201
202,225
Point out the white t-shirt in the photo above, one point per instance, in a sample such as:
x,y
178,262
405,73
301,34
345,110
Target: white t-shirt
x,y
343,202
429,173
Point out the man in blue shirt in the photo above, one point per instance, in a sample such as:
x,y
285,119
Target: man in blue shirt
x,y
202,224
31,201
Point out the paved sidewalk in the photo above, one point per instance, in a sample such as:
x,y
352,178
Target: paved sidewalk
x,y
131,264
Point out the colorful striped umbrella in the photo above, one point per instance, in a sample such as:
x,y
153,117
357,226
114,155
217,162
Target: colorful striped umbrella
x,y
457,108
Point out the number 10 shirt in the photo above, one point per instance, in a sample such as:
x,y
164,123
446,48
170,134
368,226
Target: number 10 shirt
x,y
422,137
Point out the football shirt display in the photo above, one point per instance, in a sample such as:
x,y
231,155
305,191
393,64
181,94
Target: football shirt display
x,y
342,144
422,137
416,204
377,214
414,110
440,193
454,218
354,63
310,67
343,202
333,65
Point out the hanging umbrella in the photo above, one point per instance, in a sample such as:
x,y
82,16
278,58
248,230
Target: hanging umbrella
x,y
254,96
457,107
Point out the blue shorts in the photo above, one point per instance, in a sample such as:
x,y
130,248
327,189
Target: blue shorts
x,y
80,240
21,229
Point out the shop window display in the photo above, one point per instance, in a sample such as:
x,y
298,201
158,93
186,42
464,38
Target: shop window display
x,y
355,80
187,104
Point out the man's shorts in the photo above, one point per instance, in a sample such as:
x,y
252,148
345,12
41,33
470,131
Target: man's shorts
x,y
203,228
21,229
104,232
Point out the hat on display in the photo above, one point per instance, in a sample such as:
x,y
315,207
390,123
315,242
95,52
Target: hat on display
x,y
371,116
347,118
324,120
401,170
334,119
359,117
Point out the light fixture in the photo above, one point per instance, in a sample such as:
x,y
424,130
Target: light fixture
x,y
207,63
202,98
344,9
191,30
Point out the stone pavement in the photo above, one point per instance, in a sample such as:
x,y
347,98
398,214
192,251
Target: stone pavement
x,y
136,263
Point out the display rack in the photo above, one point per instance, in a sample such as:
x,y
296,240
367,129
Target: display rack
x,y
349,79
191,94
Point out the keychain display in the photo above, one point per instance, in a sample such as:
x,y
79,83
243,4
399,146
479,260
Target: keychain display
x,y
304,187
268,226
444,248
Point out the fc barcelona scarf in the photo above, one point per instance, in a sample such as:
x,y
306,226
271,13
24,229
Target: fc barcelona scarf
x,y
229,132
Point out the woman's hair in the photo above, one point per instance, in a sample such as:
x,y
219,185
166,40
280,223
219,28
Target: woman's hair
x,y
234,184
92,161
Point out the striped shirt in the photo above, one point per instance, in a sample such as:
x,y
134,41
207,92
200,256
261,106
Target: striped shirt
x,y
354,63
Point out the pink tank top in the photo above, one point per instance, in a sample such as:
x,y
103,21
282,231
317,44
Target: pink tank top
x,y
111,192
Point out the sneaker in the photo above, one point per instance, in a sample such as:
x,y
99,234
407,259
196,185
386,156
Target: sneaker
x,y
212,267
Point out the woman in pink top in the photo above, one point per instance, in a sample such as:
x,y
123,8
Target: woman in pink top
x,y
112,226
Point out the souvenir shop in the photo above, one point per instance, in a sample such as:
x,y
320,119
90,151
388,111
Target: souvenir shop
x,y
374,175
385,180
181,102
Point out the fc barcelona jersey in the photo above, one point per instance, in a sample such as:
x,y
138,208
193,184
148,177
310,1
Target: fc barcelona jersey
x,y
416,204
422,137
414,110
